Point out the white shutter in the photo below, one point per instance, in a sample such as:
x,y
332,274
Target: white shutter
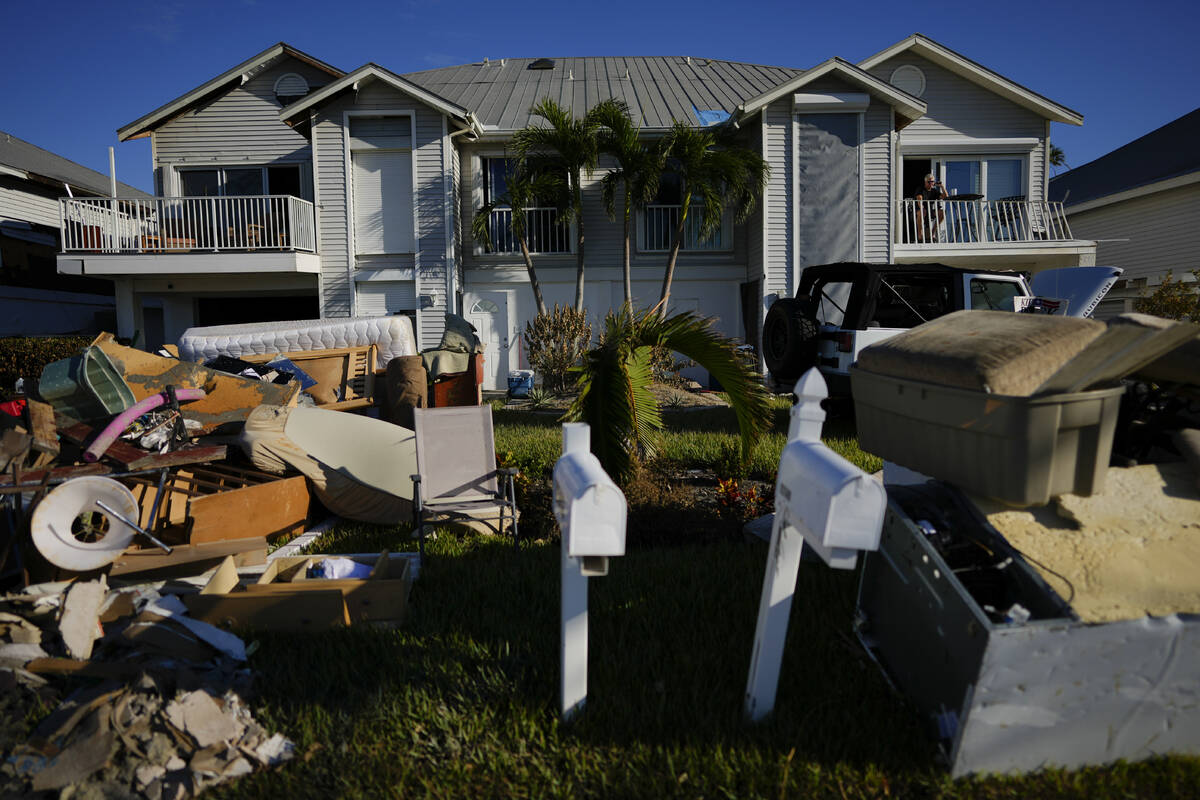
x,y
383,209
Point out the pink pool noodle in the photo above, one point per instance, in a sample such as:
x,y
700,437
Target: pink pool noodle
x,y
122,420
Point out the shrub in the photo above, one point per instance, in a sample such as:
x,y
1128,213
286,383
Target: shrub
x,y
665,368
1173,299
26,356
555,342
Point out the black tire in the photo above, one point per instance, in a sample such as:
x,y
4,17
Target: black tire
x,y
789,339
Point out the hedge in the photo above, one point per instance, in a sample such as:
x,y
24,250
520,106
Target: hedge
x,y
25,356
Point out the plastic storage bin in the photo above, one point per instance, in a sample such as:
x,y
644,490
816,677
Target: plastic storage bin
x,y
86,387
520,382
1022,450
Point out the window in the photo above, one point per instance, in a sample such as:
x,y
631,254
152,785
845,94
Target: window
x,y
381,182
660,218
543,231
994,295
241,181
1000,178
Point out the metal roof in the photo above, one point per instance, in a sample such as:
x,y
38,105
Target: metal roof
x,y
19,155
658,89
1165,153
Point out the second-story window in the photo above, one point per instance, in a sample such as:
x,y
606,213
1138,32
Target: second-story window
x,y
544,233
659,219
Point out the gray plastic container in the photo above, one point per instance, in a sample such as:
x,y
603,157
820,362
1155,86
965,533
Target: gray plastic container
x,y
86,386
1022,450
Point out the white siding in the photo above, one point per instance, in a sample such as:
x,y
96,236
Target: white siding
x,y
958,107
754,226
381,298
18,204
1161,231
877,183
777,250
330,171
239,127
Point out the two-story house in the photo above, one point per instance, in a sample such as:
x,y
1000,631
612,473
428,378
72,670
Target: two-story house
x,y
288,188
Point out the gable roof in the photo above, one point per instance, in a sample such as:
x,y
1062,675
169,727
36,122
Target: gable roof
x,y
1169,152
658,89
144,125
978,74
31,162
902,101
369,71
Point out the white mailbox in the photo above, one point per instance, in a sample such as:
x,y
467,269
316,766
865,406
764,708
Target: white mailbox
x,y
589,507
823,501
591,511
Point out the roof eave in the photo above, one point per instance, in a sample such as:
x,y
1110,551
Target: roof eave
x,y
145,124
903,102
976,73
367,71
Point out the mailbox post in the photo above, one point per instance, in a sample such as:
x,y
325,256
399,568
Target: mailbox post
x,y
821,500
591,511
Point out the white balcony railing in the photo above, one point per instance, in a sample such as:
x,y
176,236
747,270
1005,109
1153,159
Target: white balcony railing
x,y
935,222
187,224
657,230
543,232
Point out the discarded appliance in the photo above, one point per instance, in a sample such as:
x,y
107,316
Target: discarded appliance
x,y
1015,665
287,596
591,512
392,335
359,467
823,501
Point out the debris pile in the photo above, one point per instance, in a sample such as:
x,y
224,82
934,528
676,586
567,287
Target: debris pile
x,y
166,719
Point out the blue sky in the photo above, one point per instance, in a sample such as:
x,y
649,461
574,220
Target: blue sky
x,y
71,73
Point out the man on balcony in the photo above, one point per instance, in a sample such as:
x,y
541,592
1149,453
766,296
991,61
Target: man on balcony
x,y
927,218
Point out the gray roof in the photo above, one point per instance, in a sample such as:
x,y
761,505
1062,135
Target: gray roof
x,y
19,154
1165,153
658,89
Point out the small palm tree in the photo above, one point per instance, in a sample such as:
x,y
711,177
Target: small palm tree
x,y
639,166
572,145
717,171
523,186
614,387
1057,157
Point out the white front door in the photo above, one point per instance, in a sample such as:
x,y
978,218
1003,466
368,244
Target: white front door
x,y
488,312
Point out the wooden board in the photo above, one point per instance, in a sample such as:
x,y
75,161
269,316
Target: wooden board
x,y
151,562
296,611
355,375
230,398
220,502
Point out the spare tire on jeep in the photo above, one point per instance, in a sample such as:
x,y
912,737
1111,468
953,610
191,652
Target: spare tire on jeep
x,y
789,338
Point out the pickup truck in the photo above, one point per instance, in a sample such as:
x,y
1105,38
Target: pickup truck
x,y
841,308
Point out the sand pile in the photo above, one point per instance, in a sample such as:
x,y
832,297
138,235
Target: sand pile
x,y
1130,551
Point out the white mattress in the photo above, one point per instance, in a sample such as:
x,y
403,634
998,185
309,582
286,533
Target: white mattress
x,y
393,336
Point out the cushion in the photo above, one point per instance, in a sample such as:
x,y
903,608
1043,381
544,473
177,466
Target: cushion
x,y
328,373
459,336
991,351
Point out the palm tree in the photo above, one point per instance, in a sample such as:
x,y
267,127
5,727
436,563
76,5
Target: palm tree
x,y
572,143
1057,157
523,186
614,387
717,171
639,165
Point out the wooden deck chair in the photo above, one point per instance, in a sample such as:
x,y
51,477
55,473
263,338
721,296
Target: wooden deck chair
x,y
457,479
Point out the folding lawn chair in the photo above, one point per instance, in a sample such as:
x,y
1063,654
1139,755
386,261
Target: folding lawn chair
x,y
457,479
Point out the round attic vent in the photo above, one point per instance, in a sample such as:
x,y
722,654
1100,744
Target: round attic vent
x,y
909,79
289,88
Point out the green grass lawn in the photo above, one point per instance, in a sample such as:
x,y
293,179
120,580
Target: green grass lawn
x,y
462,700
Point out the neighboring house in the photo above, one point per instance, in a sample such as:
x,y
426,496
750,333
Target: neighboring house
x,y
1141,203
34,298
289,188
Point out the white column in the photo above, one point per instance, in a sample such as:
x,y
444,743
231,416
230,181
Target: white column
x,y
129,311
179,314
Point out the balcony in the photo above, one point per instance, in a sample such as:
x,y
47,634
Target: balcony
x,y
997,234
543,232
140,226
656,230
